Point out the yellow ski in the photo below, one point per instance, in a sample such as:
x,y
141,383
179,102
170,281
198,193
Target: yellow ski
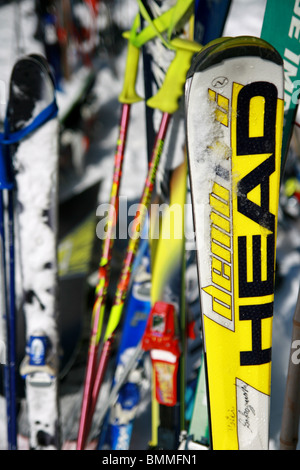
x,y
234,119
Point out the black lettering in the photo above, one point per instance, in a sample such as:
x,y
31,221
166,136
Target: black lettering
x,y
258,176
256,287
256,313
245,144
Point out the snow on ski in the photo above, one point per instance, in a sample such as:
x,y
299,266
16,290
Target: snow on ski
x,y
35,160
234,118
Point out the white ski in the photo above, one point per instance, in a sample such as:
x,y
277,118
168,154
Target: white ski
x,y
35,160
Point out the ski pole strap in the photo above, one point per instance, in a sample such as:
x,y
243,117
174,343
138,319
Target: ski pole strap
x,y
7,138
153,29
166,22
137,38
167,97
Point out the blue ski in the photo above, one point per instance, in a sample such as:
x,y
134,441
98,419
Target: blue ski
x,y
118,423
210,17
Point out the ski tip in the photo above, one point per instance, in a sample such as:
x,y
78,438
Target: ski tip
x,y
31,82
44,64
225,48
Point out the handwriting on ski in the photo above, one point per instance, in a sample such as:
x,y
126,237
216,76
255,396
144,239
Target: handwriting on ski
x,y
247,412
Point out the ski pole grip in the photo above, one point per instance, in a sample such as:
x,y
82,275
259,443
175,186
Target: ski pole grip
x,y
166,99
128,94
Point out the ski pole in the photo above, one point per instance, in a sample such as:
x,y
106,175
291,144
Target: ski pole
x,y
117,307
12,321
6,327
7,255
166,100
291,407
127,97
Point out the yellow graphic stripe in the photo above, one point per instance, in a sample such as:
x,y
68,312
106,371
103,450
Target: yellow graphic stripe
x,y
244,353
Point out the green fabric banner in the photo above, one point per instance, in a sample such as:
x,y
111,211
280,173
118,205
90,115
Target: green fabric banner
x,y
281,28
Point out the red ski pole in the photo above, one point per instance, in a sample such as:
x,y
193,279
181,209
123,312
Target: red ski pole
x,y
127,97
